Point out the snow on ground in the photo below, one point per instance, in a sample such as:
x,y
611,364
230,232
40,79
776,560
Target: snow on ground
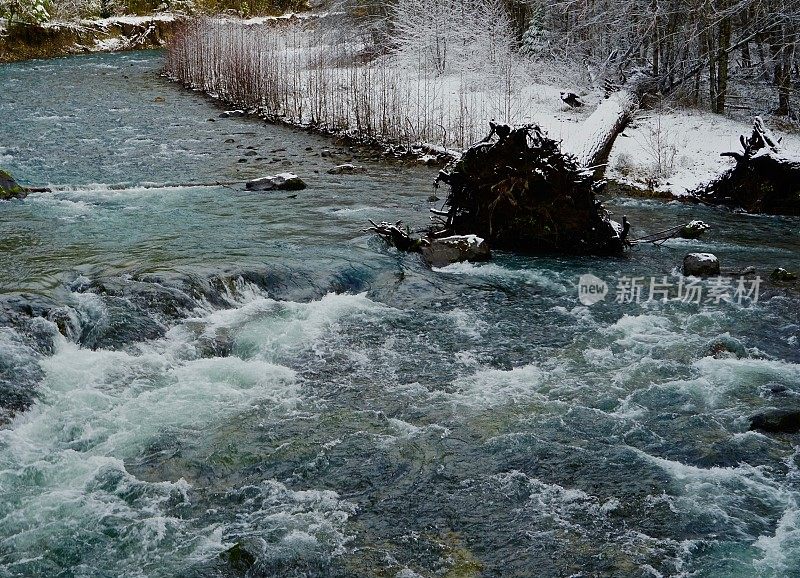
x,y
108,45
288,16
135,20
688,144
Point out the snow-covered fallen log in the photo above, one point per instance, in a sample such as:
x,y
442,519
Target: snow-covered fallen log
x,y
592,144
766,178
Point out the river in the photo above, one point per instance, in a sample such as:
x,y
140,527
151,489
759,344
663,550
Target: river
x,y
253,369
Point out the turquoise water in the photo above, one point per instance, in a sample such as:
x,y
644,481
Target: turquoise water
x,y
253,369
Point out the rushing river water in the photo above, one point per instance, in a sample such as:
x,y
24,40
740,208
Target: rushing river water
x,y
253,369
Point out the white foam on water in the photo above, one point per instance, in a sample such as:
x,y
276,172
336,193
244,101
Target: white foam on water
x,y
68,207
291,525
641,331
730,373
492,387
537,277
467,322
404,431
564,506
723,494
782,549
63,462
277,329
50,118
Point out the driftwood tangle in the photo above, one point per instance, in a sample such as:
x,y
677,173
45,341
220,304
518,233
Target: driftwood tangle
x,y
766,179
520,192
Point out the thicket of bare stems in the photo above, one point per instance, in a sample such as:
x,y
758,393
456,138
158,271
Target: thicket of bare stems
x,y
288,72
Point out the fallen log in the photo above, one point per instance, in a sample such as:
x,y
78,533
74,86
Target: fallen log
x,y
592,143
766,178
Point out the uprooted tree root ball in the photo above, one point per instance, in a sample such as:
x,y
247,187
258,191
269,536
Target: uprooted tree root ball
x,y
766,178
520,192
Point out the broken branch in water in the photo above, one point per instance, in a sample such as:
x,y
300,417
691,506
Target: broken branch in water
x,y
397,235
690,230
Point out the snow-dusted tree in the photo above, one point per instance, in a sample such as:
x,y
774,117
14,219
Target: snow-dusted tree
x,y
29,11
452,35
74,9
367,22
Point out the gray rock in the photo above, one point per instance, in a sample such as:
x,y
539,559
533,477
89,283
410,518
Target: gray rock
x,y
346,169
281,181
448,250
775,388
777,421
231,113
238,558
700,264
725,346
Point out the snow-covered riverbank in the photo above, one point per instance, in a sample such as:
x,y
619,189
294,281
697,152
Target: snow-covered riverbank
x,y
298,75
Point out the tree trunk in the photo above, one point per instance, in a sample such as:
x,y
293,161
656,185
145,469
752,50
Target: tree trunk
x,y
593,142
722,64
599,131
712,71
747,60
783,74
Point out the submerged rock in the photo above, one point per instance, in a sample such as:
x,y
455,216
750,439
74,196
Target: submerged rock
x,y
725,346
700,264
454,249
9,188
777,421
775,388
231,113
238,558
281,181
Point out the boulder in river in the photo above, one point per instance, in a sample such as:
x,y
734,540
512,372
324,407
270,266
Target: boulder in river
x,y
777,421
700,264
9,188
238,558
726,346
346,169
454,249
774,388
693,229
281,181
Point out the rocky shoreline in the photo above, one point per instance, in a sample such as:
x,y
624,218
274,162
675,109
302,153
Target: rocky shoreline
x,y
104,35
